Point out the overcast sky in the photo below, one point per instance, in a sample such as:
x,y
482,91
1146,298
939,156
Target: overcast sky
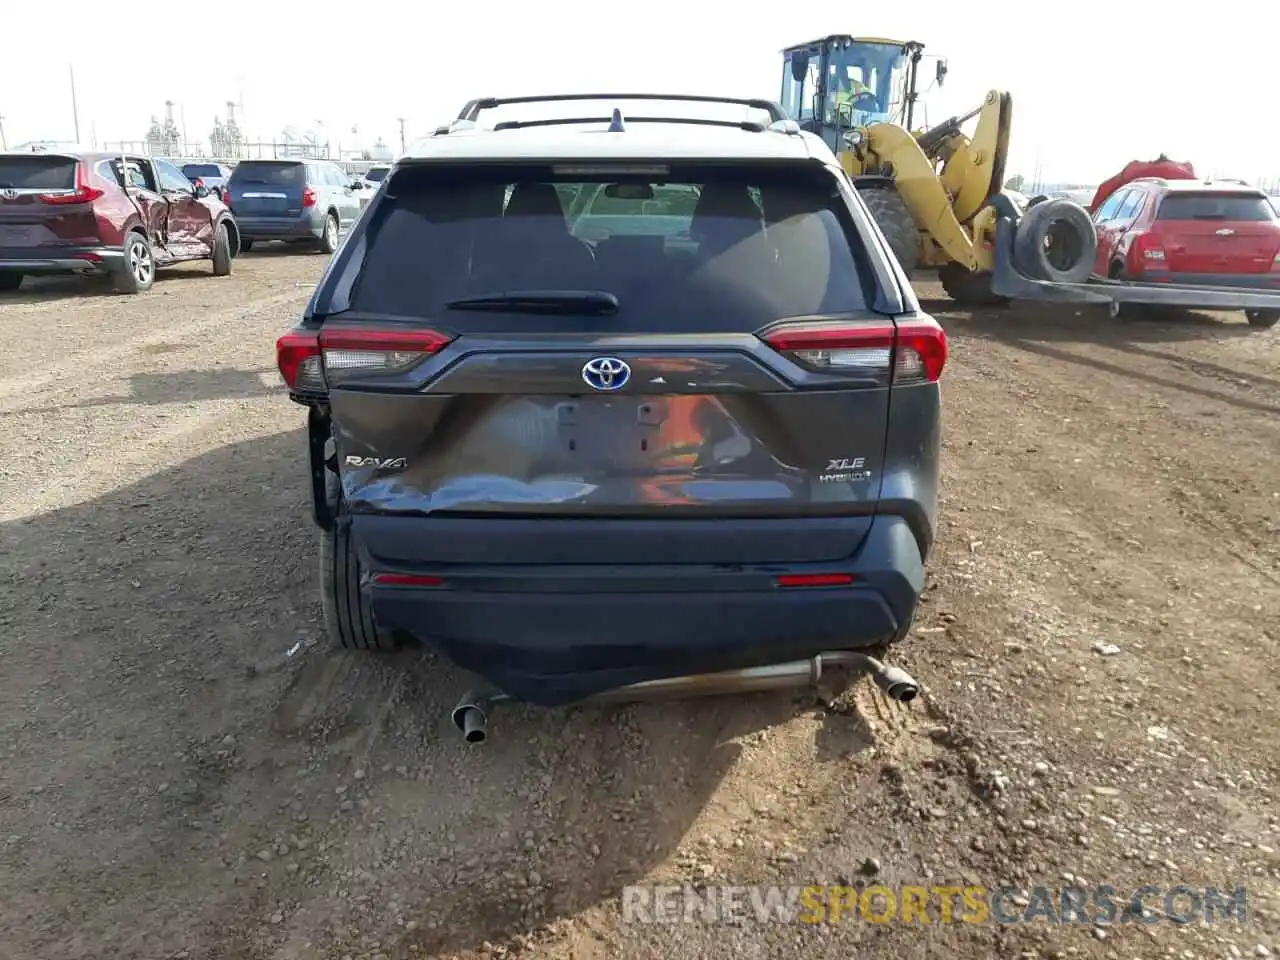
x,y
1093,88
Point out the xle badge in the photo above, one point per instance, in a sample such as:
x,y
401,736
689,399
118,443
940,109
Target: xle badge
x,y
845,470
378,463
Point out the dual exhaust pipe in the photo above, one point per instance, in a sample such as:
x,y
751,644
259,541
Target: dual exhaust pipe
x,y
471,715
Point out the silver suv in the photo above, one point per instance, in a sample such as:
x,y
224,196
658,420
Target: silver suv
x,y
303,201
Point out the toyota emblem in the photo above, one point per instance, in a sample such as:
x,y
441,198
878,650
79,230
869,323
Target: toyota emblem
x,y
606,373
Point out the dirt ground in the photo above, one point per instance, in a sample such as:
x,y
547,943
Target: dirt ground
x,y
186,771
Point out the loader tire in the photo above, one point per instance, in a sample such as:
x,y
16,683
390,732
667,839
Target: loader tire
x,y
1056,241
896,223
967,288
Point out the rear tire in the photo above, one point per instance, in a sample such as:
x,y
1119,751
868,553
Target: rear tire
x,y
221,252
347,613
10,281
138,271
329,238
1262,319
1056,241
896,223
967,288
245,245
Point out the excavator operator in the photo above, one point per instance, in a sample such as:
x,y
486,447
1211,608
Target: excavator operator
x,y
850,94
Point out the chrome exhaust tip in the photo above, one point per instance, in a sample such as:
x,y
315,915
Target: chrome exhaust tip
x,y
472,720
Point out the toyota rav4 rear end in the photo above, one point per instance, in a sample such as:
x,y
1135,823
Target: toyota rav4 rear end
x,y
704,438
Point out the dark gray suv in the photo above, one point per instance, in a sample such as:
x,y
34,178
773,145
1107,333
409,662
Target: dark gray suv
x,y
304,201
605,415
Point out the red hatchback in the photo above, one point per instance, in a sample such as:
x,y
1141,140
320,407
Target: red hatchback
x,y
1193,232
106,215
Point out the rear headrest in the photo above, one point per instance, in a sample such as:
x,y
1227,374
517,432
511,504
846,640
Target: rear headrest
x,y
724,217
725,200
534,200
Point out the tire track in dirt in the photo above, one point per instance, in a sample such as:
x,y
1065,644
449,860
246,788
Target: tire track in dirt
x,y
72,371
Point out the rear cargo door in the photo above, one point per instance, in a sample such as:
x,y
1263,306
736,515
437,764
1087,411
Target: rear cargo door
x,y
1219,233
37,208
268,188
494,365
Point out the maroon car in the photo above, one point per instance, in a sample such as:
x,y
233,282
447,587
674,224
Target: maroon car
x,y
96,214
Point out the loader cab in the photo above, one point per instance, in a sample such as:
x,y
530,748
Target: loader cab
x,y
841,83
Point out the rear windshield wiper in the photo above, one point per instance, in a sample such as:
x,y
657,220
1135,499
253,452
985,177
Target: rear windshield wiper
x,y
586,302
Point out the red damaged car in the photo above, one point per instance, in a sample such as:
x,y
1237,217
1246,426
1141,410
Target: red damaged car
x,y
113,216
1191,232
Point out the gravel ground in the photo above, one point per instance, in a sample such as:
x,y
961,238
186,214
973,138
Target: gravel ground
x,y
186,771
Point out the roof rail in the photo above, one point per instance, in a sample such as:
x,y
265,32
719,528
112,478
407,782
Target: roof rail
x,y
747,125
472,109
454,127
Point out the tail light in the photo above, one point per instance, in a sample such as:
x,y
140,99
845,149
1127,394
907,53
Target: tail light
x,y
1149,252
309,362
905,352
82,192
308,197
814,580
407,580
199,183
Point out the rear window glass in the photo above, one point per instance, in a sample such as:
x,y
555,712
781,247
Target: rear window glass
x,y
37,173
1215,206
201,170
275,173
376,174
703,250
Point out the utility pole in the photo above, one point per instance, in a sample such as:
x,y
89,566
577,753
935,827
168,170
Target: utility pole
x,y
75,112
3,144
401,121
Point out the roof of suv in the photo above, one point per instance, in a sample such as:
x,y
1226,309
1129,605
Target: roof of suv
x,y
638,141
89,156
1200,186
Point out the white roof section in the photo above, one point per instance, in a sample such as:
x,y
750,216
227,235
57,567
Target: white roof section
x,y
639,141
654,127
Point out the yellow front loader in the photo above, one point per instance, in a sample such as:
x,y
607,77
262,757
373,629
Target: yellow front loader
x,y
930,190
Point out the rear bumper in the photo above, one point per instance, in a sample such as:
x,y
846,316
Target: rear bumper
x,y
68,260
279,228
555,634
1246,281
1183,289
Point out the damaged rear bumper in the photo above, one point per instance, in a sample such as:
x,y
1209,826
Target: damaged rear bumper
x,y
557,634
